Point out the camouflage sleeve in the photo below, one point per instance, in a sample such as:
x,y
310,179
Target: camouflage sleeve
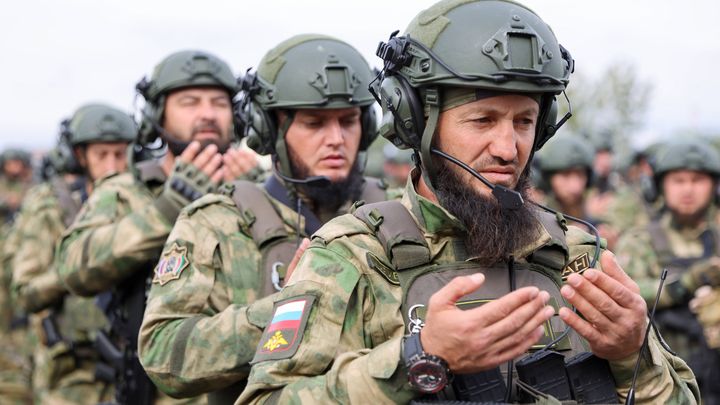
x,y
663,377
35,284
329,356
193,339
637,257
117,230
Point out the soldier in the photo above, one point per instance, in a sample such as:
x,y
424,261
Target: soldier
x,y
471,82
566,169
397,166
15,180
684,239
227,250
92,144
118,235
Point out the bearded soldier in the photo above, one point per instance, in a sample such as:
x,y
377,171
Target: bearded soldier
x,y
308,106
463,277
117,237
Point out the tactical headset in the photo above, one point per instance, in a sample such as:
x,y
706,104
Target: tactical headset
x,y
260,126
406,124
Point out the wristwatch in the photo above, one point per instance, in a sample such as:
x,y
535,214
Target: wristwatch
x,y
427,373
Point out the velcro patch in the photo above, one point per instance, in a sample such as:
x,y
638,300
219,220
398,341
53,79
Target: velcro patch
x,y
580,264
171,264
283,335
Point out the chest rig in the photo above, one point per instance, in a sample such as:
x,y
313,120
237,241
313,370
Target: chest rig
x,y
277,246
420,276
678,265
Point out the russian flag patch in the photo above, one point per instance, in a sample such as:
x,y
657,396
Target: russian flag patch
x,y
283,334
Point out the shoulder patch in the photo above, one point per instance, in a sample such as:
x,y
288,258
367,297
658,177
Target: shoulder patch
x,y
283,335
580,264
171,264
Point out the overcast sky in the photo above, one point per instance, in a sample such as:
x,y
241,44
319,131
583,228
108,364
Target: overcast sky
x,y
56,55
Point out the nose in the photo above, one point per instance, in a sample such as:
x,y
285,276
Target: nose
x,y
504,142
208,111
334,133
115,163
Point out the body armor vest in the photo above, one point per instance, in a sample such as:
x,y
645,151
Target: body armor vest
x,y
419,278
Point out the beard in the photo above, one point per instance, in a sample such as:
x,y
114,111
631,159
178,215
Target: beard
x,y
331,196
222,142
493,233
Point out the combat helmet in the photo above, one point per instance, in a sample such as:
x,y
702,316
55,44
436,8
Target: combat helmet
x,y
457,50
689,154
563,153
15,154
91,123
179,70
305,71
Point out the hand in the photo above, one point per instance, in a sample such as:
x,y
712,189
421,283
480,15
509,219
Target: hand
x,y
207,160
703,273
706,305
614,312
237,163
296,258
484,337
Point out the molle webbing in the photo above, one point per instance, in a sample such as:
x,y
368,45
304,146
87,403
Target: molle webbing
x,y
68,205
264,222
397,231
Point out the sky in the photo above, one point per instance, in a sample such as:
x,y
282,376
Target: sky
x,y
58,55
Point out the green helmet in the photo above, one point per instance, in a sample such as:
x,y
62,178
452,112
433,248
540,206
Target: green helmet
x,y
177,71
94,123
15,154
459,50
689,154
305,71
564,153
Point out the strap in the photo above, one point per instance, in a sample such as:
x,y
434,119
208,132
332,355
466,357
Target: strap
x,y
264,222
398,233
555,253
374,190
278,191
68,205
150,171
660,242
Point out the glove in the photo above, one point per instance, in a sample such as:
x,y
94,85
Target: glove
x,y
706,305
184,185
706,272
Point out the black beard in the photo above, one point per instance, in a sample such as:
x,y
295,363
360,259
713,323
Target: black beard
x,y
331,196
493,233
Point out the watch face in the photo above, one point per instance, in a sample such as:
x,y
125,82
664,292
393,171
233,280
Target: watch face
x,y
427,376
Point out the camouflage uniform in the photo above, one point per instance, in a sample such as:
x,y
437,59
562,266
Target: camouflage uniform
x,y
64,363
117,235
208,331
644,252
349,351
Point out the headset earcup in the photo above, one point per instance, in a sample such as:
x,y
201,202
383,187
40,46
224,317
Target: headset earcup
x,y
67,154
547,120
368,121
261,129
403,119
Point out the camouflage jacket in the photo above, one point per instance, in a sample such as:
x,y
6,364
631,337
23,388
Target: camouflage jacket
x,y
116,232
349,348
35,284
641,260
198,333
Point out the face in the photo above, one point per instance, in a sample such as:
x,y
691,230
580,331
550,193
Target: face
x,y
14,168
101,159
201,114
494,136
603,163
568,186
687,192
325,142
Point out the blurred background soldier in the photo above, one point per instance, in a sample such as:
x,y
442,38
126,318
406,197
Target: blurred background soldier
x,y
566,174
307,106
397,166
92,145
685,239
15,180
118,235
